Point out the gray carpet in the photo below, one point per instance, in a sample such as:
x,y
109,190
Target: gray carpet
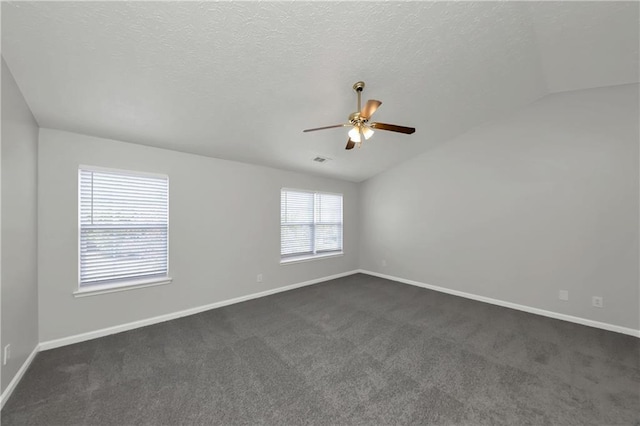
x,y
357,350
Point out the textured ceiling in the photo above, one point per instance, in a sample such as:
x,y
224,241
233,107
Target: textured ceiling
x,y
240,80
586,45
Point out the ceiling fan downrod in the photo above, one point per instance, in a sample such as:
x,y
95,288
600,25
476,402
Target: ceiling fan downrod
x,y
359,87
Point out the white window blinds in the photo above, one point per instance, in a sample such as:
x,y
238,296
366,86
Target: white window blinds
x,y
123,227
310,223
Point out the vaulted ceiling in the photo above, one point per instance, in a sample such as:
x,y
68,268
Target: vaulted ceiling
x,y
240,80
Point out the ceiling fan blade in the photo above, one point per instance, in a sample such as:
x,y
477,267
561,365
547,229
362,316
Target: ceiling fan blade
x,y
350,144
393,128
369,108
327,127
361,136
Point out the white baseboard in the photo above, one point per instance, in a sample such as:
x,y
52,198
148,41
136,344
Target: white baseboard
x,y
537,311
50,344
14,382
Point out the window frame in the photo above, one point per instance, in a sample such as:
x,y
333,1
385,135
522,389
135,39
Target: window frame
x,y
125,284
324,254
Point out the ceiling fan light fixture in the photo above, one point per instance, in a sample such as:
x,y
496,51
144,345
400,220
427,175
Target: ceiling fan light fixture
x,y
354,133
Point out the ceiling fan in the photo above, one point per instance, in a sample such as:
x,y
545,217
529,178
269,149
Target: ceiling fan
x,y
361,129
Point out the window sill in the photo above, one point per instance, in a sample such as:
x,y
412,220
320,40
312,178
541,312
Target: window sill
x,y
308,258
94,290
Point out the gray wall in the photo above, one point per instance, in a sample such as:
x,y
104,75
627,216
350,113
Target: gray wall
x,y
224,230
545,199
541,200
19,227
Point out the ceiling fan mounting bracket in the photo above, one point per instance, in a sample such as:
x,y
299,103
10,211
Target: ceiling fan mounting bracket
x,y
359,86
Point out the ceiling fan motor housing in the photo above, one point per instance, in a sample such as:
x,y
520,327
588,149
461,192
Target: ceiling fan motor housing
x,y
355,118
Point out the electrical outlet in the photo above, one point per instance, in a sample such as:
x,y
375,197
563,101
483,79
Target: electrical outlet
x,y
597,301
563,295
383,263
7,354
259,278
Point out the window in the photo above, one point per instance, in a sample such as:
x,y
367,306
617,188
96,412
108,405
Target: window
x,y
310,224
123,228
